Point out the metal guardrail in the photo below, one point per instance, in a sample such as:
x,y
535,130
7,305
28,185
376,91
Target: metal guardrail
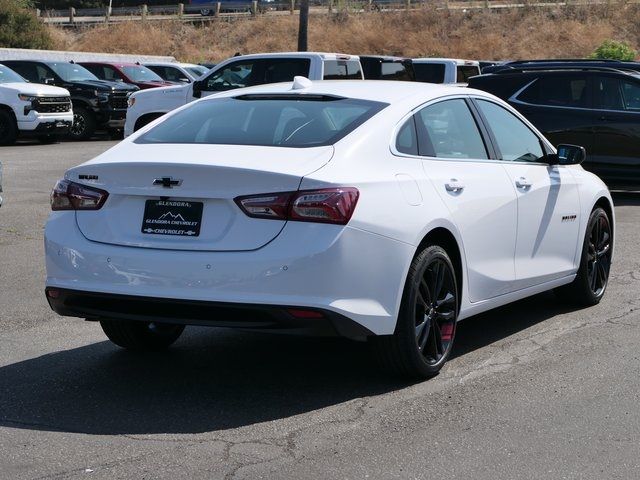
x,y
239,8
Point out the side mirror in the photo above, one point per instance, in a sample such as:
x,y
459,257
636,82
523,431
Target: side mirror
x,y
567,155
49,81
197,89
184,80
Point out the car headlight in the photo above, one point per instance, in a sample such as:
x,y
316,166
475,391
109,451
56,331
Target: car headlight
x,y
131,101
102,96
26,98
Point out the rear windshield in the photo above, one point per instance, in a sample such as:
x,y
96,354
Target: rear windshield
x,y
342,70
429,72
465,72
275,120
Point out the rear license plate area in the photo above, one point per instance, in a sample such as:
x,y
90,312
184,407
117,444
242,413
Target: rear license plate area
x,y
172,217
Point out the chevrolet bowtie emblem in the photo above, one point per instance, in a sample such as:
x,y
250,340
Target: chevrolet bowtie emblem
x,y
167,182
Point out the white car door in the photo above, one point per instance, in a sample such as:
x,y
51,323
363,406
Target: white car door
x,y
547,199
476,190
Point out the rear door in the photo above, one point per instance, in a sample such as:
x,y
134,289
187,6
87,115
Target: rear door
x,y
547,199
476,190
616,151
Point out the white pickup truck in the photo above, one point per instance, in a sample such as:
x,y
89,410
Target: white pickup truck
x,y
31,109
237,72
445,70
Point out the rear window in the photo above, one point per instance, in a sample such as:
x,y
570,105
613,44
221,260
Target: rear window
x,y
342,70
557,91
429,72
274,120
465,72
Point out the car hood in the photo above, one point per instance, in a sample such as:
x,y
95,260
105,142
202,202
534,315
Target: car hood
x,y
106,85
36,89
173,90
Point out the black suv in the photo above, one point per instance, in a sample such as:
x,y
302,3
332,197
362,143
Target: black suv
x,y
96,103
597,107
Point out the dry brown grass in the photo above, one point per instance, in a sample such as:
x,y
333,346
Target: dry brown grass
x,y
480,34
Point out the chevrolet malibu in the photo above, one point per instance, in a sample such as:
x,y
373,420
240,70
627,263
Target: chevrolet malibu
x,y
378,211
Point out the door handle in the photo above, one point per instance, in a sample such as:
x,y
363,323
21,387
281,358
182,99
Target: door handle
x,y
523,183
454,186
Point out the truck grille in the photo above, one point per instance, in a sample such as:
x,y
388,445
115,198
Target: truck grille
x,y
52,104
118,101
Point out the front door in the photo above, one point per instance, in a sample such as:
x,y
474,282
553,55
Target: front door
x,y
547,200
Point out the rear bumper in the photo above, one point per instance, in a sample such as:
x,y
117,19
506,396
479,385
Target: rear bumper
x,y
96,306
353,273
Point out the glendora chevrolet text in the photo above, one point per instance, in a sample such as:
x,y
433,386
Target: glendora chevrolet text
x,y
379,211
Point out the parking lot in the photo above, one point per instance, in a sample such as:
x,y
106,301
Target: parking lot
x,y
534,389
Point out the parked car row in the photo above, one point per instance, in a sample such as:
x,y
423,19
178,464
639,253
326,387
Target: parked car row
x,y
53,99
250,70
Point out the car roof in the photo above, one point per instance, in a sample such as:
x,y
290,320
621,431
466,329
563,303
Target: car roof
x,y
458,61
387,91
325,55
113,64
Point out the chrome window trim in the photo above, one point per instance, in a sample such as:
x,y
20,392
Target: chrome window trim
x,y
400,124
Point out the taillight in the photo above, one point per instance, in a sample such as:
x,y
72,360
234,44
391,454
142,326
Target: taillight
x,y
328,205
67,195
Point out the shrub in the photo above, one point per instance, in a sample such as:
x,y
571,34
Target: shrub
x,y
612,50
20,28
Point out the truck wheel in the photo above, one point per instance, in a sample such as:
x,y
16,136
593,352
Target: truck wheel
x,y
8,128
141,336
84,124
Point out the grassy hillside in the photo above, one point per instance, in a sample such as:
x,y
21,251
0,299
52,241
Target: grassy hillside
x,y
573,31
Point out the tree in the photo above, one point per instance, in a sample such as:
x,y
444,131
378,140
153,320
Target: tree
x,y
20,28
612,50
303,29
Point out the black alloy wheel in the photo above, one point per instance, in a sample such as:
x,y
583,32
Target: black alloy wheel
x,y
426,325
84,124
599,255
435,312
591,280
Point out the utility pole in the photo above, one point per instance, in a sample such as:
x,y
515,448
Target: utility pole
x,y
303,30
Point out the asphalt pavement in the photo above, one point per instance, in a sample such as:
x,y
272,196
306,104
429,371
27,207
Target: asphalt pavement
x,y
534,390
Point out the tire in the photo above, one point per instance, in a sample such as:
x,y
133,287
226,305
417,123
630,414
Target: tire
x,y
141,336
426,326
84,124
48,139
8,128
591,282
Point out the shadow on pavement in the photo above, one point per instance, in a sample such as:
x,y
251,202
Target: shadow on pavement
x,y
215,379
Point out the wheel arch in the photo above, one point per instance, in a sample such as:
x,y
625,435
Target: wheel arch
x,y
446,239
146,119
8,109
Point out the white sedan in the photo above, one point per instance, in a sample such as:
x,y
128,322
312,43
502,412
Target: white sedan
x,y
379,211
